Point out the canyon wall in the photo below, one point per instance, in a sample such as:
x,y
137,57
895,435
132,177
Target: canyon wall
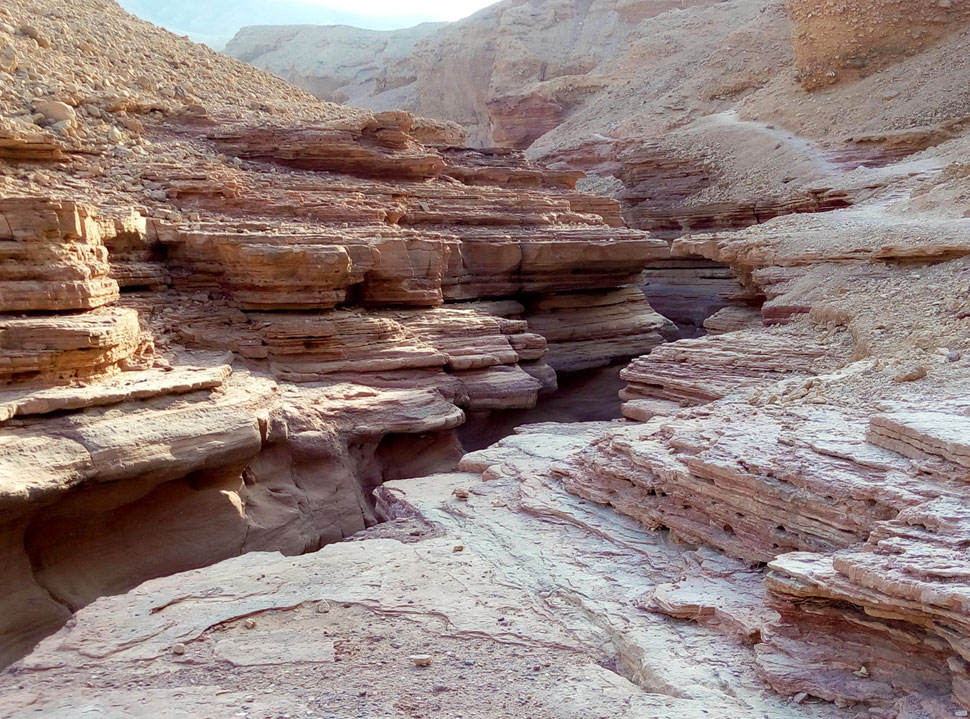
x,y
640,95
223,326
509,73
254,326
694,115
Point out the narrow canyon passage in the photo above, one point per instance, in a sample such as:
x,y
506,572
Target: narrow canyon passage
x,y
310,483
581,396
319,410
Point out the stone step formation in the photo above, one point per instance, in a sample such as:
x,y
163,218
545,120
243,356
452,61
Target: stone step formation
x,y
225,355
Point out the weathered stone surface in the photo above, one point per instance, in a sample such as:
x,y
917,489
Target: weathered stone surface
x,y
132,441
710,138
124,388
700,370
488,609
376,288
923,434
499,167
20,141
59,348
689,290
51,257
732,319
521,66
226,322
595,329
272,271
370,151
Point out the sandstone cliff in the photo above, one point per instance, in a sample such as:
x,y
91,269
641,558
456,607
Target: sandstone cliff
x,y
694,114
229,326
226,322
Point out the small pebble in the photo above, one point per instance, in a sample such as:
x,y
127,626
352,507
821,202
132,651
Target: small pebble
x,y
178,649
421,660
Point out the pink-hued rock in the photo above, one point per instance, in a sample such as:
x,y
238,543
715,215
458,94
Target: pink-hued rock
x,y
311,297
224,323
54,349
700,370
52,257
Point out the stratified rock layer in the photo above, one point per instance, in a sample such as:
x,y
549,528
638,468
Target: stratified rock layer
x,y
719,134
53,257
222,327
321,293
540,614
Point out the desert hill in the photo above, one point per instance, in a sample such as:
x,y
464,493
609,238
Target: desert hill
x,y
621,89
215,22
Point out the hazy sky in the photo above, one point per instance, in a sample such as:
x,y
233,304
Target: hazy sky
x,y
216,21
412,11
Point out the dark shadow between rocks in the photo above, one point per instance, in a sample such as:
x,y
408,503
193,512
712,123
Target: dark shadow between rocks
x,y
583,396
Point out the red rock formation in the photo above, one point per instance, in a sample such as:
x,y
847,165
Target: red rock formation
x,y
519,121
243,321
816,449
306,336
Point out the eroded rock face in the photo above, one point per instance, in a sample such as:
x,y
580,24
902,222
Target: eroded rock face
x,y
512,71
490,607
54,257
779,532
223,327
654,100
25,141
824,438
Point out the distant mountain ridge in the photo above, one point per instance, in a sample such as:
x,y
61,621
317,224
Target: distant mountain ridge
x,y
214,22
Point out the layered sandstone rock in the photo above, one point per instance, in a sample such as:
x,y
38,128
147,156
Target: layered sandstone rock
x,y
786,513
53,257
824,438
223,326
491,608
22,141
592,330
711,137
59,348
701,370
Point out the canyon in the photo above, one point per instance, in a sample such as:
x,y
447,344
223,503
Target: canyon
x,y
248,337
